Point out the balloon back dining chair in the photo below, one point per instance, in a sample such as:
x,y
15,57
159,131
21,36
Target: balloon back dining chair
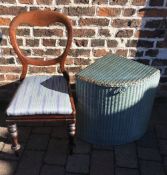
x,y
41,98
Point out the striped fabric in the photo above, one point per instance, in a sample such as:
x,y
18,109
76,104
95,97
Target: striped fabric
x,y
41,95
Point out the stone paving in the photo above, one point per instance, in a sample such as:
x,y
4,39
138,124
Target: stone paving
x,y
45,151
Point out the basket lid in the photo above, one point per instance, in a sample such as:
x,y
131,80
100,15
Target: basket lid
x,y
116,71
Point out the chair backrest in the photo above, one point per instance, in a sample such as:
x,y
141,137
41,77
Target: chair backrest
x,y
39,18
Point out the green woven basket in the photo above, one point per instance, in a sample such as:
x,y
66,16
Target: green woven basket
x,y
115,97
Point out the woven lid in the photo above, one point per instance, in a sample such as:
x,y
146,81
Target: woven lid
x,y
116,71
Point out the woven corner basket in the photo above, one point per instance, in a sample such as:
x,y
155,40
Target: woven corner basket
x,y
115,97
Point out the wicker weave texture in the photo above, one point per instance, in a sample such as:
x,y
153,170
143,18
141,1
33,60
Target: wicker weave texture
x,y
114,115
116,71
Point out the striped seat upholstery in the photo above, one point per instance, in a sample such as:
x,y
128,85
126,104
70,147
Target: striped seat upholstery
x,y
41,95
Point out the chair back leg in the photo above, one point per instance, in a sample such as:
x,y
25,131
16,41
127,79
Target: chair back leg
x,y
71,133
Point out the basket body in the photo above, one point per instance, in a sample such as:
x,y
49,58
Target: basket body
x,y
114,115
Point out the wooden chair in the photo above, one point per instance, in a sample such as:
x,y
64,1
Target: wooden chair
x,y
41,98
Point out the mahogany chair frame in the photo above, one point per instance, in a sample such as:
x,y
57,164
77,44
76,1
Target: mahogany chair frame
x,y
41,18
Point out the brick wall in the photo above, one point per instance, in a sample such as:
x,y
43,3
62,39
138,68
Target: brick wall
x,y
132,28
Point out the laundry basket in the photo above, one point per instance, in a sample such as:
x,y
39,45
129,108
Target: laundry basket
x,y
114,100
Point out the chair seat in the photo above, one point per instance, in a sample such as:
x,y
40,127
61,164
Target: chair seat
x,y
41,95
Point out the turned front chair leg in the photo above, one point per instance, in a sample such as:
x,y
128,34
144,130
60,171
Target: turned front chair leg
x,y
71,135
12,128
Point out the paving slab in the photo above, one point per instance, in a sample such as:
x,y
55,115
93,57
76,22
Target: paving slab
x,y
38,142
78,163
148,140
126,155
149,154
126,171
151,168
56,152
161,131
163,147
82,147
52,170
102,162
30,163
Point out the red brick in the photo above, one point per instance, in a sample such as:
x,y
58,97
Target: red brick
x,y
49,42
79,52
12,77
4,21
129,12
69,61
104,32
152,52
158,24
62,42
11,10
156,2
106,11
23,32
5,31
81,1
2,78
119,23
81,43
8,1
136,53
32,43
121,52
3,42
48,32
26,52
53,52
98,2
10,69
159,62
79,11
150,34
81,61
99,52
38,52
97,42
124,33
83,33
8,51
26,1
38,69
140,43
118,2
63,2
46,2
93,22
19,41
152,12
75,69
7,60
161,44
138,2
144,61
112,43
